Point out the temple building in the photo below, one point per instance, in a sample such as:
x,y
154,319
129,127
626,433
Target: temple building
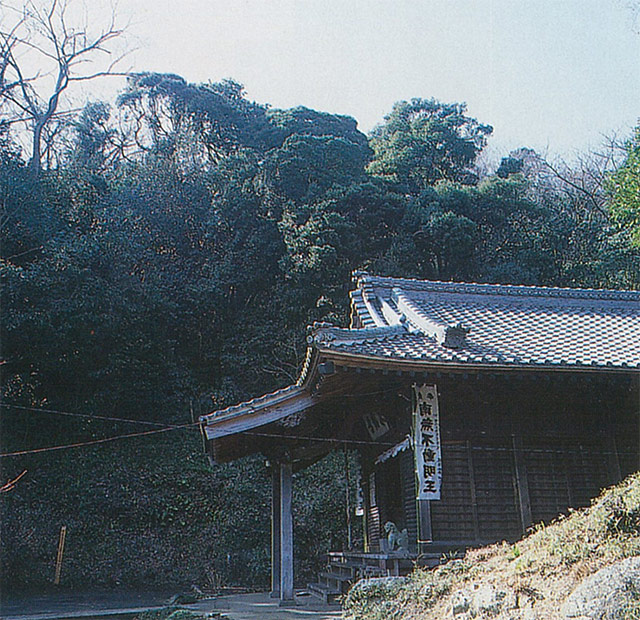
x,y
477,410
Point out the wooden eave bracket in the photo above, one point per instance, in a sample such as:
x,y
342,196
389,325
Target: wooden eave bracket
x,y
253,417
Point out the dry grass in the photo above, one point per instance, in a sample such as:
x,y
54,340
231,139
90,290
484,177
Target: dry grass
x,y
537,573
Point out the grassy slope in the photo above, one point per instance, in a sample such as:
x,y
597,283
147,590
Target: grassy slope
x,y
142,511
537,573
151,512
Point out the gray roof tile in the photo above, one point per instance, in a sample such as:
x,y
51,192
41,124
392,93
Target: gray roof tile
x,y
512,325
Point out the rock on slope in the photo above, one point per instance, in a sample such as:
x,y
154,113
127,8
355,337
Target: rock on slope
x,y
580,567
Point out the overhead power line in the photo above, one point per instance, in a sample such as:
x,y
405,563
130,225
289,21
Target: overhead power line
x,y
170,427
97,441
90,416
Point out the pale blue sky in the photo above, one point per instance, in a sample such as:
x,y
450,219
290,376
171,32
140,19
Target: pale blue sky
x,y
548,74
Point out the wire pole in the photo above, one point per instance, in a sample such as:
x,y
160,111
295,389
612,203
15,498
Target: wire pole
x,y
63,535
348,496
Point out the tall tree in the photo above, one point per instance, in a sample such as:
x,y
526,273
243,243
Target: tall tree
x,y
197,124
423,141
624,186
44,50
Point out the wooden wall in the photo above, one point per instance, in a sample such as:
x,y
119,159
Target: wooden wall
x,y
515,452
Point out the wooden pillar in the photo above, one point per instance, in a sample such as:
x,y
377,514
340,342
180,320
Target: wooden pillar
x,y
472,489
286,533
615,472
522,483
366,505
275,531
425,533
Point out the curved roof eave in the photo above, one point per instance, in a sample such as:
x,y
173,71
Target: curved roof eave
x,y
405,364
265,409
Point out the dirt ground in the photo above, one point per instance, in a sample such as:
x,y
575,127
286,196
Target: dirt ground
x,y
101,606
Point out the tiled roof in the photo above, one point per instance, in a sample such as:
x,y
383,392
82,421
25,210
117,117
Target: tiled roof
x,y
487,324
454,324
257,403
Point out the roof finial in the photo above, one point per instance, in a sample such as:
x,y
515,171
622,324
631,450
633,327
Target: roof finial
x,y
357,275
455,336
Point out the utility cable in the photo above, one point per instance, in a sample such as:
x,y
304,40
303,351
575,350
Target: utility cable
x,y
97,441
168,427
90,416
327,439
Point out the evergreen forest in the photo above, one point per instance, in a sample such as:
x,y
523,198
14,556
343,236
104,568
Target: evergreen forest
x,y
162,255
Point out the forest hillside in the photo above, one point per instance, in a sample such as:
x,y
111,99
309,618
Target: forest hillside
x,y
163,259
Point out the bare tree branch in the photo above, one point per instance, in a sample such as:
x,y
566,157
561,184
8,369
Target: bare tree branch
x,y
68,51
11,484
577,183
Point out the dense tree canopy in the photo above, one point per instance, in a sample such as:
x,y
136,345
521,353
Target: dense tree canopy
x,y
171,259
423,141
625,188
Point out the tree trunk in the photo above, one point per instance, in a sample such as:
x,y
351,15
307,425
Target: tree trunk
x,y
35,165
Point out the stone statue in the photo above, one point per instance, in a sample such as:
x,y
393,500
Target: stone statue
x,y
396,540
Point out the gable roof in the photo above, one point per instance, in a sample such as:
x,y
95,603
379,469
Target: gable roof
x,y
487,324
418,325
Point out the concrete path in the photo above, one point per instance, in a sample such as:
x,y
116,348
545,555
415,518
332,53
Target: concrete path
x,y
258,606
69,604
103,607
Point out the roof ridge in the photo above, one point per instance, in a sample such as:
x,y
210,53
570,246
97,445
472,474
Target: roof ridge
x,y
364,279
325,334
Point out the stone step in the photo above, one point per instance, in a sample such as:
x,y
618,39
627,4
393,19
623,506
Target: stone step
x,y
347,563
341,569
326,593
339,582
